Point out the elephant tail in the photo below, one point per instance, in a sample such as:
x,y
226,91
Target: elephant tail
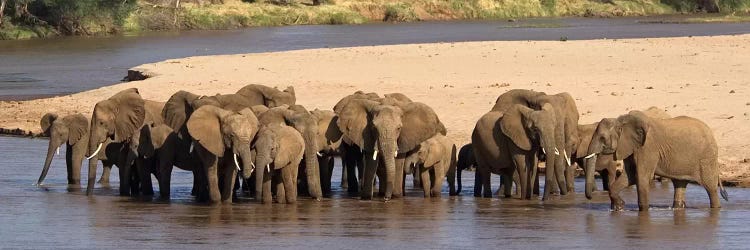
x,y
722,191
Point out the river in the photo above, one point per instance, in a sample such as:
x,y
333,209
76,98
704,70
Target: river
x,y
47,67
51,217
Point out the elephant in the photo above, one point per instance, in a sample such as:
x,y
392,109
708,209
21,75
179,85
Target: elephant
x,y
306,124
279,149
395,129
434,159
71,130
466,161
351,153
163,154
565,134
508,143
605,164
680,148
271,97
120,119
219,135
329,145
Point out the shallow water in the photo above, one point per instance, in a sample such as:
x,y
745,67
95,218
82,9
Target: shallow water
x,y
46,67
51,217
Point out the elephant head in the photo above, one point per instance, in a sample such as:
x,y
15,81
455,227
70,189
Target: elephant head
x,y
177,110
401,130
307,125
257,94
620,137
217,130
530,129
72,129
118,118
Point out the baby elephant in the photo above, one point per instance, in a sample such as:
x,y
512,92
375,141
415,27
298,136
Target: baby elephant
x,y
435,159
279,150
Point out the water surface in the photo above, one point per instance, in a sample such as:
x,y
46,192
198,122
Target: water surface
x,y
52,217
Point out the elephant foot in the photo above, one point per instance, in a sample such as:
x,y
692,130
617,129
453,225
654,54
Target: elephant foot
x,y
477,195
618,205
453,194
678,205
386,199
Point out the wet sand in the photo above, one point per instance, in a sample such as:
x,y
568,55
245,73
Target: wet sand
x,y
704,77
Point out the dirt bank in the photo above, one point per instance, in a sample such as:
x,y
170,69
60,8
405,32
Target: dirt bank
x,y
703,77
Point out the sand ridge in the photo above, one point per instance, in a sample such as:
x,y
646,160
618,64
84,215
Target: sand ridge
x,y
703,77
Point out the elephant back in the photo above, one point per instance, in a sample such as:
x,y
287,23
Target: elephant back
x,y
420,123
515,96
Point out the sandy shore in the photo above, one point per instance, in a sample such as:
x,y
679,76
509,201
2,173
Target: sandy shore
x,y
704,77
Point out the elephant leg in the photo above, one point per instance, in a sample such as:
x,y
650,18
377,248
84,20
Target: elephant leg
x,y
278,183
350,165
382,180
643,188
370,167
486,183
165,180
679,193
424,174
398,183
437,182
144,175
477,183
210,171
416,180
520,161
104,179
620,183
229,174
507,181
569,178
289,179
559,165
344,178
125,178
549,180
326,174
69,163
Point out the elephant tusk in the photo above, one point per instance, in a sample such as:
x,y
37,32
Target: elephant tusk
x,y
252,164
566,157
191,147
557,152
319,154
95,152
544,151
58,151
375,155
268,167
236,163
589,156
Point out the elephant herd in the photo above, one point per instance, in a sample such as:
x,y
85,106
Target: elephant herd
x,y
259,142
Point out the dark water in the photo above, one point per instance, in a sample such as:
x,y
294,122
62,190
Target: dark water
x,y
52,217
38,68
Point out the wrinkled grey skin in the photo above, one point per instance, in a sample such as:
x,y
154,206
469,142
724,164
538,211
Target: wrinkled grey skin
x,y
257,94
434,160
307,125
71,130
466,161
564,133
351,154
681,148
222,140
508,143
279,150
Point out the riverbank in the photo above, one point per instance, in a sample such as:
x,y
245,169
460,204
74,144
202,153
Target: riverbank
x,y
702,77
232,14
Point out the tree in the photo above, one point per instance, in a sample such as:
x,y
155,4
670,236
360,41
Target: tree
x,y
2,11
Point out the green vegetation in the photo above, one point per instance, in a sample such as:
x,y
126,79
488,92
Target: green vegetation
x,y
22,19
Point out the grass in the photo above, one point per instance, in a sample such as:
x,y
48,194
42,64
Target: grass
x,y
237,14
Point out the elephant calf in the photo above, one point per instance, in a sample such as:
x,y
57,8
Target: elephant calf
x,y
279,150
74,132
435,159
681,148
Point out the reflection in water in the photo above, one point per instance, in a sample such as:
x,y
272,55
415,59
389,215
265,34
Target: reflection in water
x,y
50,217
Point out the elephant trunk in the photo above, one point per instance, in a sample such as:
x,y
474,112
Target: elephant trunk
x,y
54,144
248,167
96,139
387,147
550,160
590,163
262,159
312,166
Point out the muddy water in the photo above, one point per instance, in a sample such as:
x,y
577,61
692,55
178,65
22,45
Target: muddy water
x,y
52,217
46,67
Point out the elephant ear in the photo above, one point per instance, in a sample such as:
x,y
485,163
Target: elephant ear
x,y
159,135
355,122
284,139
420,123
178,108
46,122
585,134
130,115
512,125
434,152
632,130
205,128
78,126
